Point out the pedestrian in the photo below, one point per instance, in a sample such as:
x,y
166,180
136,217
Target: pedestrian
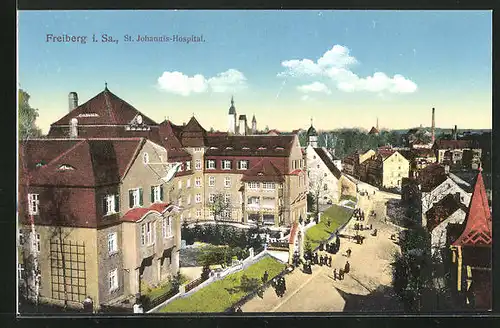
x,y
347,267
330,261
371,227
341,274
335,274
361,227
348,252
265,277
284,285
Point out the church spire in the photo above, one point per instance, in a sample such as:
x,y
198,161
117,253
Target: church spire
x,y
232,100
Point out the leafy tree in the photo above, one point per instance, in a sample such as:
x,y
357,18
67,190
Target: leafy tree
x,y
219,207
27,117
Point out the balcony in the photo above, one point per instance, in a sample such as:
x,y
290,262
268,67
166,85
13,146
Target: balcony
x,y
168,242
147,251
253,207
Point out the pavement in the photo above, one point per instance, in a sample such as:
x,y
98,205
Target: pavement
x,y
367,287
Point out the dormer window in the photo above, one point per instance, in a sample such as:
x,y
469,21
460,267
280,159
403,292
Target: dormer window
x,y
245,148
229,148
40,164
214,148
66,167
210,164
261,148
226,165
280,148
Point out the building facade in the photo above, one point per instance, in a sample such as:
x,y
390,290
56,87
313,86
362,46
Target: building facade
x,y
102,223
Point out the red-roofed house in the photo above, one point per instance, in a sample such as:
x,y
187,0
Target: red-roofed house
x,y
101,217
387,168
471,253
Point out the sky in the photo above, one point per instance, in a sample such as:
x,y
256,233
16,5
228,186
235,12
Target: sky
x,y
341,69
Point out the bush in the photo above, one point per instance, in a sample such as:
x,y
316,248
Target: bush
x,y
205,272
249,284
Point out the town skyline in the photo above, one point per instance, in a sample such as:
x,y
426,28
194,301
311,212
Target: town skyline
x,y
394,66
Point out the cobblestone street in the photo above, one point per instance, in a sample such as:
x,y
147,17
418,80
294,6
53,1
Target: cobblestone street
x,y
366,288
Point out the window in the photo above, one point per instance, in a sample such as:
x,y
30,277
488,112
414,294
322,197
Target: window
x,y
135,197
145,158
227,182
189,199
211,198
326,174
110,204
253,201
38,242
197,181
20,270
112,243
33,202
181,167
243,165
188,183
197,165
156,194
325,187
188,166
253,185
179,184
314,157
197,198
147,234
226,165
113,280
167,227
211,164
227,198
197,150
21,238
211,181
268,185
198,212
317,166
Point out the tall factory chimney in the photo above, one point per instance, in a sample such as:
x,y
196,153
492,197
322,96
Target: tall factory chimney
x,y
433,128
73,100
455,133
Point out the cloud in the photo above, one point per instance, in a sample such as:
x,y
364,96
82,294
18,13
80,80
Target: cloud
x,y
314,87
335,65
306,98
184,85
230,80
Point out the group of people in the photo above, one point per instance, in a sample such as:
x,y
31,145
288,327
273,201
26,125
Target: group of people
x,y
359,214
340,273
332,247
279,285
360,226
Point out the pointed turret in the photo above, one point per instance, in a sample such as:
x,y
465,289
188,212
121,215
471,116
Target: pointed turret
x,y
477,231
232,118
254,125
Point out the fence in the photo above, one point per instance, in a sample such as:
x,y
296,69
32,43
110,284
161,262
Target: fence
x,y
196,285
161,299
193,284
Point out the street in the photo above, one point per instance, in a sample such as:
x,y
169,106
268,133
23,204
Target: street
x,y
366,288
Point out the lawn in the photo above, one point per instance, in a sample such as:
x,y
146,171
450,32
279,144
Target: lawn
x,y
348,197
220,295
155,292
336,215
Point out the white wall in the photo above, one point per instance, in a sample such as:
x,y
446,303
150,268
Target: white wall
x,y
438,234
316,174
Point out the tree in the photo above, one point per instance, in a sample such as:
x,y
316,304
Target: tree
x,y
317,189
27,117
219,207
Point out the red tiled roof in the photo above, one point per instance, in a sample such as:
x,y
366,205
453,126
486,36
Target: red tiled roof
x,y
262,146
109,108
265,170
385,152
169,134
136,214
478,221
89,162
193,134
295,172
451,144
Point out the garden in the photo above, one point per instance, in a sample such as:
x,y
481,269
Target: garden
x,y
222,294
332,219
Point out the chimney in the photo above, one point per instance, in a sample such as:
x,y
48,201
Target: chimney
x,y
433,126
73,100
455,133
73,128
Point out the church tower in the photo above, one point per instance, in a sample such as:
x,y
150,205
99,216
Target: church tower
x,y
312,136
254,125
232,118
